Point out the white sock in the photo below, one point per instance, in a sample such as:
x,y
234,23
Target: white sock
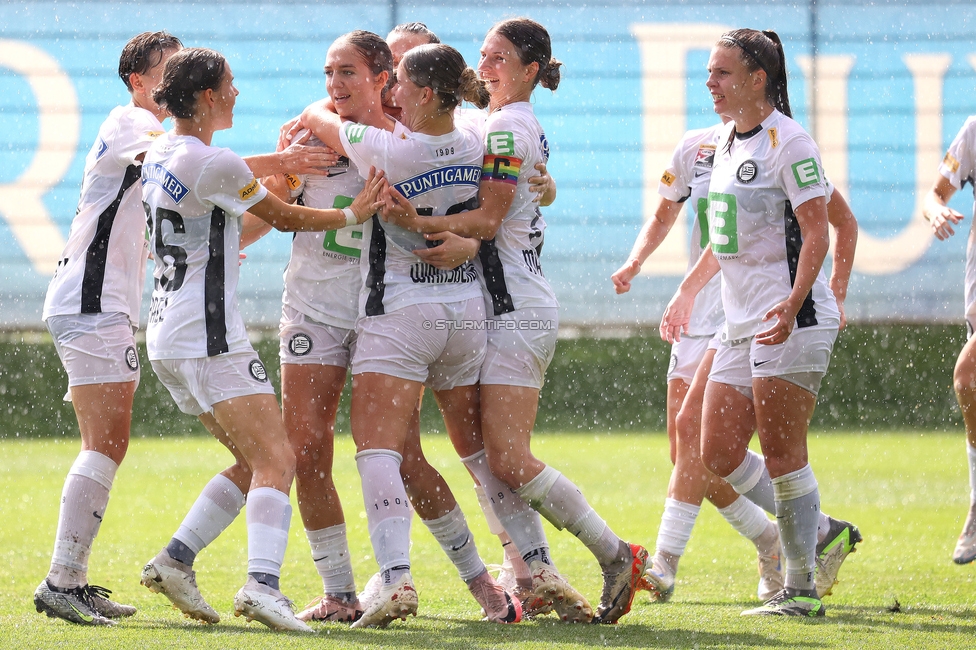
x,y
797,514
330,553
268,520
751,480
387,512
518,519
83,502
823,526
213,511
971,453
561,502
452,533
748,519
677,523
513,561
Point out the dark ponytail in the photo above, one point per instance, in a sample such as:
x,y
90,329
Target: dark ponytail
x,y
763,50
442,69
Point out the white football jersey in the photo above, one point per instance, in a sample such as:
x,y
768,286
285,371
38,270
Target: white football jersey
x,y
959,168
438,175
196,195
686,180
511,273
103,266
752,229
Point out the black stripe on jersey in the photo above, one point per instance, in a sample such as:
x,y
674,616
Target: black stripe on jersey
x,y
807,316
213,287
377,270
97,256
491,264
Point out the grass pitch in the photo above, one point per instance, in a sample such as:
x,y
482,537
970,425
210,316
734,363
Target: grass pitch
x,y
908,493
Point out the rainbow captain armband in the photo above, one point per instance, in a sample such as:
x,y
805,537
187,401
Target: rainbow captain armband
x,y
501,168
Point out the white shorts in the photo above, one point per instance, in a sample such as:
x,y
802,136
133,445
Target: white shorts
x,y
304,341
441,345
95,348
197,384
686,356
521,345
801,360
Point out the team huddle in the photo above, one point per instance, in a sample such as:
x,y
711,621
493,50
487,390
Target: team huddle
x,y
416,263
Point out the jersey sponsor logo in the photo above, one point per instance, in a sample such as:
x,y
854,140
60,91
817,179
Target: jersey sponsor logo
x,y
293,181
300,344
756,364
705,157
438,178
102,148
154,134
355,132
501,168
248,190
544,143
950,162
723,226
158,175
667,178
806,172
338,169
773,138
424,273
131,358
501,143
256,368
747,171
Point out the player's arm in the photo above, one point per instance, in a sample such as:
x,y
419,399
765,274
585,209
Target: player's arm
x,y
296,158
936,211
451,252
844,225
324,123
650,237
297,218
677,315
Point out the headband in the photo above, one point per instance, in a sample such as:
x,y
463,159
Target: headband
x,y
752,55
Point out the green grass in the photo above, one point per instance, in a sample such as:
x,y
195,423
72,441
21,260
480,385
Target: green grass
x,y
907,492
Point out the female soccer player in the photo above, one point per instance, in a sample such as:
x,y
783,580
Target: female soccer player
x,y
956,170
686,181
768,232
92,312
523,317
194,196
405,337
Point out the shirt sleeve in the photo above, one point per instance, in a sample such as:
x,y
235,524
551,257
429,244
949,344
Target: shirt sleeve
x,y
228,183
675,184
505,148
137,131
959,162
800,170
364,146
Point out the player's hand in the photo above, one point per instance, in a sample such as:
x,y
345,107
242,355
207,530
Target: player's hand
x,y
942,222
843,315
676,317
542,185
783,317
287,132
624,275
369,200
452,251
398,211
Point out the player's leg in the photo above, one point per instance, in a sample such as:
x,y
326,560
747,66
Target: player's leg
x,y
964,380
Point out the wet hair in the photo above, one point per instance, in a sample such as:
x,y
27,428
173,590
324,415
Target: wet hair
x,y
763,50
144,52
374,51
532,43
188,73
442,69
419,29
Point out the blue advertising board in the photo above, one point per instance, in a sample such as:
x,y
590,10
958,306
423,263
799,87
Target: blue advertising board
x,y
883,87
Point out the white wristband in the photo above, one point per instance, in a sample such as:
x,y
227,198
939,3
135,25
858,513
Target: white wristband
x,y
351,219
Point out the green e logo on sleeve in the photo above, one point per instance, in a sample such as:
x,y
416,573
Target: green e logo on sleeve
x,y
501,143
806,173
722,224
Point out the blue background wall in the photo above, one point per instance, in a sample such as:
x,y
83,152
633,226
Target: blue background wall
x,y
596,125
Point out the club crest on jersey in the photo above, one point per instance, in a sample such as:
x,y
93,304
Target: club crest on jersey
x,y
102,148
705,157
256,368
747,171
300,344
248,190
131,358
158,175
545,147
